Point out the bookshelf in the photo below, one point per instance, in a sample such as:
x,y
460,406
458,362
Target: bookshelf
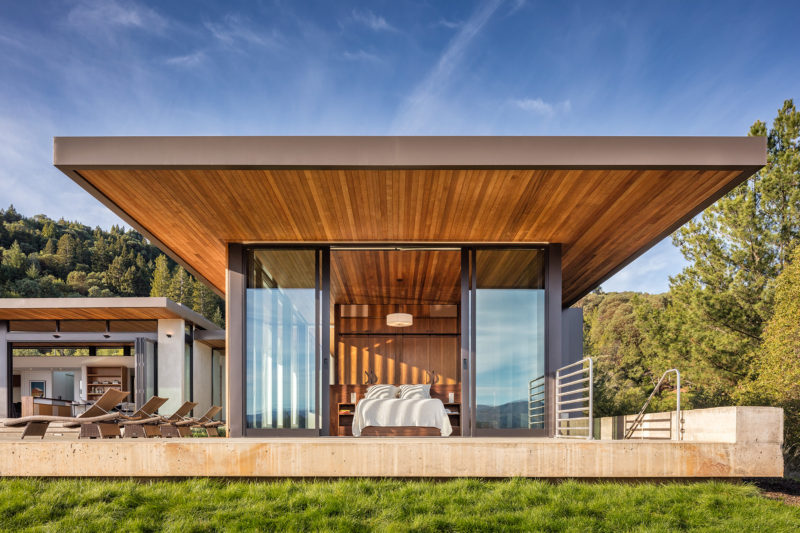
x,y
101,378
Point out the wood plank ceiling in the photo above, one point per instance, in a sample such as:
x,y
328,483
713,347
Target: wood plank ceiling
x,y
601,216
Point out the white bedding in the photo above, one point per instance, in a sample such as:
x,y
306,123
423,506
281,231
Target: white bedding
x,y
392,412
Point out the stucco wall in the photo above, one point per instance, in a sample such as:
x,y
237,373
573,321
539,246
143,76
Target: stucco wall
x,y
170,364
201,377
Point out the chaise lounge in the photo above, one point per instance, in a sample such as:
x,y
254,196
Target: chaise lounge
x,y
97,421
135,426
207,422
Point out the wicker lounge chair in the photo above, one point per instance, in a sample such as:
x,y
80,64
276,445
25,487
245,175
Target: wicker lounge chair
x,y
206,422
135,426
168,427
96,421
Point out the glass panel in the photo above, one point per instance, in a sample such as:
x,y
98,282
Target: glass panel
x,y
218,381
49,352
509,335
281,377
150,363
187,372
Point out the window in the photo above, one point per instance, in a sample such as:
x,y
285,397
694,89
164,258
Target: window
x,y
281,371
509,336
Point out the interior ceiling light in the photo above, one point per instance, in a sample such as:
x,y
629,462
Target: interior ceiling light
x,y
399,320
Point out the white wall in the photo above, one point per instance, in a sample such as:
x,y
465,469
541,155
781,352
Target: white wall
x,y
64,384
74,364
170,364
202,377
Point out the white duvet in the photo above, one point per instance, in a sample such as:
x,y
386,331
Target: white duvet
x,y
393,412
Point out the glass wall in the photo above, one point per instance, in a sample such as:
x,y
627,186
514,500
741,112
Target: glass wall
x,y
281,345
509,337
218,381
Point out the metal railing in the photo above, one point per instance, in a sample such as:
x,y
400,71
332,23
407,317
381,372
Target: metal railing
x,y
640,417
574,397
536,397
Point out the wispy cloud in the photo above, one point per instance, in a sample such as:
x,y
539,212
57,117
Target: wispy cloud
x,y
188,60
372,21
112,14
234,28
421,105
361,55
540,107
450,24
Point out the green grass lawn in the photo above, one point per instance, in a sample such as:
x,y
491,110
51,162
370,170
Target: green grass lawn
x,y
387,505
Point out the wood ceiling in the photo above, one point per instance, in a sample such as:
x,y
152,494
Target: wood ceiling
x,y
602,217
396,277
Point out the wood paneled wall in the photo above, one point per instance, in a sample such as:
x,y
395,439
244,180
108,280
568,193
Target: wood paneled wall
x,y
368,351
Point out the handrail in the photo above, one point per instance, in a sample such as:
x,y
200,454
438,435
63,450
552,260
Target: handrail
x,y
567,390
640,417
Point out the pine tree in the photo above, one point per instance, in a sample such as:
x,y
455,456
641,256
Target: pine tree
x,y
181,287
162,277
14,258
717,307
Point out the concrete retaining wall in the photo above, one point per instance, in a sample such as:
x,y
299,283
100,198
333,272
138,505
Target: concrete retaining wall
x,y
390,457
718,424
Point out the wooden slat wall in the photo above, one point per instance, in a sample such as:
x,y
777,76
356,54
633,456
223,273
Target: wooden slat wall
x,y
367,350
601,216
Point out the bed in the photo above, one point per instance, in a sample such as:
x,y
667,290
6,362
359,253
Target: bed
x,y
416,414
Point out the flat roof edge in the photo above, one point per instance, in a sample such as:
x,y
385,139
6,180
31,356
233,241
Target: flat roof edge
x,y
122,302
409,152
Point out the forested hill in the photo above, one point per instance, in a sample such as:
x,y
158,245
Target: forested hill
x,y
44,258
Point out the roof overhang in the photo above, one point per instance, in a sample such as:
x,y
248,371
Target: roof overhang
x,y
605,199
152,308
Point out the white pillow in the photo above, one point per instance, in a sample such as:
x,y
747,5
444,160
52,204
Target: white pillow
x,y
376,392
410,392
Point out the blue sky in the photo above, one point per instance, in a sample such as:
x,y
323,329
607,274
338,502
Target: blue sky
x,y
381,68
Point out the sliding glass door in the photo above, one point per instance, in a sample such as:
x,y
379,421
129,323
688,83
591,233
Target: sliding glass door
x,y
283,339
508,293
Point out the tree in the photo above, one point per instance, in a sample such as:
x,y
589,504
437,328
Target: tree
x,y
77,281
66,250
718,305
14,258
778,363
162,277
181,288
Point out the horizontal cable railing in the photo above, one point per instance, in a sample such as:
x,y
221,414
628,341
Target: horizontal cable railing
x,y
574,396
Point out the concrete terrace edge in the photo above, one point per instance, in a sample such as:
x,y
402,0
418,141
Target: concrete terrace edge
x,y
400,457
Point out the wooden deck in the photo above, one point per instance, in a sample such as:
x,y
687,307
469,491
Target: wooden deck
x,y
387,457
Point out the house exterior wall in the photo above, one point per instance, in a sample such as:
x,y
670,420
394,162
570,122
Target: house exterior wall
x,y
171,354
571,335
201,370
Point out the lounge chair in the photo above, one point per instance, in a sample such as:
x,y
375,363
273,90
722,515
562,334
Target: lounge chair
x,y
168,427
206,422
96,421
135,425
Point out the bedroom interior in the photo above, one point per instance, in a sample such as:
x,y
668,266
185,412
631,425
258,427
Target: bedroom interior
x,y
397,318
368,287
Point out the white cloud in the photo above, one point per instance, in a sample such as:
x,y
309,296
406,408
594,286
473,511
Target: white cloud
x,y
450,24
421,106
113,13
234,28
361,55
188,60
372,21
540,107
